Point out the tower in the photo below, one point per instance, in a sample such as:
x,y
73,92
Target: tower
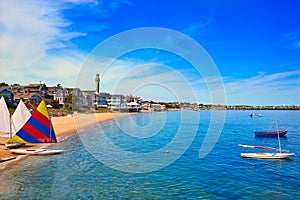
x,y
97,80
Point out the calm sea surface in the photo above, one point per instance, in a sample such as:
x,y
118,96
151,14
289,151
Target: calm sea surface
x,y
127,159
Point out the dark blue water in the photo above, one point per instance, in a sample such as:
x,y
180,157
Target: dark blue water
x,y
138,167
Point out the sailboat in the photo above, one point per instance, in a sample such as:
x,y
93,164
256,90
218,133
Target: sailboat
x,y
18,119
279,153
5,124
37,129
275,133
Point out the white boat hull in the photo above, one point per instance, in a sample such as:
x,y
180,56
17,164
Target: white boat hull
x,y
267,155
13,145
35,151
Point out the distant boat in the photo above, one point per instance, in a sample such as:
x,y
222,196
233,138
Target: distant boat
x,y
278,154
38,129
281,133
253,115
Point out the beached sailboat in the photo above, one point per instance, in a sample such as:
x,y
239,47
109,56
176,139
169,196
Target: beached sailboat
x,y
18,119
5,121
6,124
278,154
37,129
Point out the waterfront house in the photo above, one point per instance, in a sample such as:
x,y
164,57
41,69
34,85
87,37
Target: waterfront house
x,y
6,92
60,95
117,102
133,107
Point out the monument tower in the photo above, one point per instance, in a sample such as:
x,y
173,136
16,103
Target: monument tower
x,y
97,80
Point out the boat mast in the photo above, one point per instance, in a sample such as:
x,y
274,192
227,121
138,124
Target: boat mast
x,y
10,131
279,145
50,131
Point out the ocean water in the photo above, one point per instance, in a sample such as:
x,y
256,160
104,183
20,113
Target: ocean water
x,y
156,156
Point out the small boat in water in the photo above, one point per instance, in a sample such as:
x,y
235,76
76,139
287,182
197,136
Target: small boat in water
x,y
281,133
254,115
278,154
263,155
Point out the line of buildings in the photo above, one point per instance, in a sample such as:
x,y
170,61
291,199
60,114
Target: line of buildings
x,y
59,97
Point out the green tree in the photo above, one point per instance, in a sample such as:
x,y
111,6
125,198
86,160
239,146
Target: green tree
x,y
15,84
58,86
3,84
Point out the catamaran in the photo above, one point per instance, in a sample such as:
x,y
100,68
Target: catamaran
x,y
278,154
37,129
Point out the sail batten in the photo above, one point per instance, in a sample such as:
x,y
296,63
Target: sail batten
x,y
37,129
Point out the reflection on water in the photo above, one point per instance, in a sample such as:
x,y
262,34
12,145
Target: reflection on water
x,y
77,174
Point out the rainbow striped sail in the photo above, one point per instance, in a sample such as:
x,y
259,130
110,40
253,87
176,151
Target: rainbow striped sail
x,y
38,128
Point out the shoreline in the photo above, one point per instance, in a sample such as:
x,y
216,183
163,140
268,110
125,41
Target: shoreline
x,y
64,127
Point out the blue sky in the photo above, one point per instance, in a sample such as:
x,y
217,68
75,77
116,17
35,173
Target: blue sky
x,y
255,45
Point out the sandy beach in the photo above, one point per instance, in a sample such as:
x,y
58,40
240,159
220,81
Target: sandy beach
x,y
63,127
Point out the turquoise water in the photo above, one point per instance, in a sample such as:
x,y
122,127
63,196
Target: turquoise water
x,y
79,173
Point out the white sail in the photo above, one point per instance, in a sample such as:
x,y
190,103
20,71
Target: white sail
x,y
20,117
5,127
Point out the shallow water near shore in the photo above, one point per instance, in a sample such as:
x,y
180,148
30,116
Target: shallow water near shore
x,y
80,172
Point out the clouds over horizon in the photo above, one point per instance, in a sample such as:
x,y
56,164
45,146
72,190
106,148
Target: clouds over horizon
x,y
280,88
49,41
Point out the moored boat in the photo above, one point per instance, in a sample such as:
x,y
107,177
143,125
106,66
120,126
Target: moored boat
x,y
281,133
253,115
262,155
278,154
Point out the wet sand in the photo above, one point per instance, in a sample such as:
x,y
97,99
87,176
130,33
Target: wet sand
x,y
63,127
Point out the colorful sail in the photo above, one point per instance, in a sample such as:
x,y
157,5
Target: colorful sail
x,y
38,128
20,117
4,118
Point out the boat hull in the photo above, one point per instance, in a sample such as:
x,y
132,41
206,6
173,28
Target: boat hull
x,y
254,115
267,155
13,145
282,133
35,151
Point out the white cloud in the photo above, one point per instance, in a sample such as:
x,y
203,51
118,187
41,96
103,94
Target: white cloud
x,y
268,89
28,30
197,28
